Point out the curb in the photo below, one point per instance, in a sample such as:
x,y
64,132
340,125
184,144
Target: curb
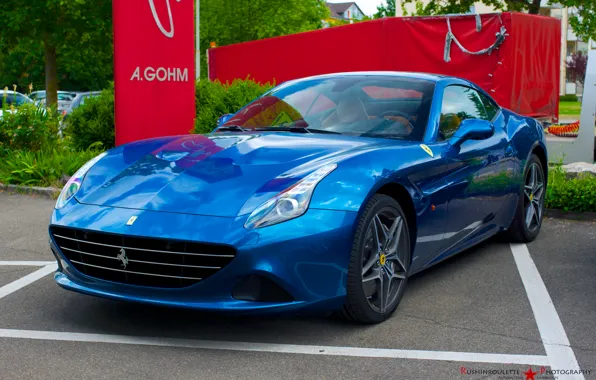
x,y
49,192
570,215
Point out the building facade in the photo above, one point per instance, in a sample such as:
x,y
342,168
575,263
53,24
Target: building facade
x,y
345,11
570,45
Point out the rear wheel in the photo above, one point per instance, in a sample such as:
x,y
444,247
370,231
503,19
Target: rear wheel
x,y
379,262
530,208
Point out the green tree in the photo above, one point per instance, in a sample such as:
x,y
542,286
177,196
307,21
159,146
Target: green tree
x,y
232,21
21,63
386,9
57,28
582,19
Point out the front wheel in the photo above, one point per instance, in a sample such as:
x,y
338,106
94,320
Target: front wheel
x,y
379,262
530,208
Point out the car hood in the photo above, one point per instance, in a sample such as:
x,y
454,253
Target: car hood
x,y
224,175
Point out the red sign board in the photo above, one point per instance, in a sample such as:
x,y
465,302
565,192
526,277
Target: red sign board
x,y
154,73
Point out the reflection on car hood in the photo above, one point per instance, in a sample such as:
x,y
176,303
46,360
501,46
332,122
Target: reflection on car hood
x,y
211,175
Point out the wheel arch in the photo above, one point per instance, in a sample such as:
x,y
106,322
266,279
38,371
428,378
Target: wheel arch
x,y
539,151
402,196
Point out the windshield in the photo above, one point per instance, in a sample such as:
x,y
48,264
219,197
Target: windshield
x,y
62,96
65,97
86,96
372,106
13,99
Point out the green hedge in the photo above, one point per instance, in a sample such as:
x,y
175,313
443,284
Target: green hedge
x,y
575,194
92,122
215,99
568,98
51,165
27,127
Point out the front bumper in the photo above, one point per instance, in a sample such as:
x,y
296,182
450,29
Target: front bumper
x,y
307,257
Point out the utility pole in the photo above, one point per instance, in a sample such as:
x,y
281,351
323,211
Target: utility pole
x,y
396,7
198,40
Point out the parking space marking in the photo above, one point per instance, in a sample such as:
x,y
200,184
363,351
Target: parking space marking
x,y
26,280
26,263
556,344
559,355
471,357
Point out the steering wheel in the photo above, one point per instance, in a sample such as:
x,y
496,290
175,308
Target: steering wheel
x,y
404,115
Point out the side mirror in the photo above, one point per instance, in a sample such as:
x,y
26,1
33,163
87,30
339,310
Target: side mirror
x,y
224,119
472,129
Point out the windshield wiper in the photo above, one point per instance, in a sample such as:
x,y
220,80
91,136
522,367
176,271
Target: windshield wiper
x,y
324,131
235,128
297,130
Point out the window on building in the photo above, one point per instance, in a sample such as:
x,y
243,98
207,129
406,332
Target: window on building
x,y
556,13
582,46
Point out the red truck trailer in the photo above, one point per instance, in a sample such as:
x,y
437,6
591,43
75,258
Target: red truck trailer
x,y
513,56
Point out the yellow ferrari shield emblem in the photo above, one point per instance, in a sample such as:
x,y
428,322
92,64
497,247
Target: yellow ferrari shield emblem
x,y
382,259
427,150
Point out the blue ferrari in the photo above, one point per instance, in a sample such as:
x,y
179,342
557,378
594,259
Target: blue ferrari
x,y
324,194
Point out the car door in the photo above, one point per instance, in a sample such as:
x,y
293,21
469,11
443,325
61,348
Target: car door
x,y
480,175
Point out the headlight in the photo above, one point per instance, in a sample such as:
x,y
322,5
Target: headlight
x,y
74,183
290,203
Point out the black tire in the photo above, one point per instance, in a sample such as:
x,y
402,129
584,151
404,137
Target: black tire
x,y
519,231
357,307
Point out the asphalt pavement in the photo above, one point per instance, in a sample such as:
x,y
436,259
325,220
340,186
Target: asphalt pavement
x,y
462,319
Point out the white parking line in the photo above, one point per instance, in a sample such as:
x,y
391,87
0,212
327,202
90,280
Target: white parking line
x,y
559,355
471,357
26,263
556,344
28,279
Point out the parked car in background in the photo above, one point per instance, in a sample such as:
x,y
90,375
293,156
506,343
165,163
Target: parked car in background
x,y
12,98
37,95
64,99
79,100
62,95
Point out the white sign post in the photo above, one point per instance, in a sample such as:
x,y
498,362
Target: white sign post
x,y
580,149
198,40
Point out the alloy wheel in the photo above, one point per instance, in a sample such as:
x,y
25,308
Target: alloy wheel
x,y
384,259
534,196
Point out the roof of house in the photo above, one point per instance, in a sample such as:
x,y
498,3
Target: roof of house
x,y
340,8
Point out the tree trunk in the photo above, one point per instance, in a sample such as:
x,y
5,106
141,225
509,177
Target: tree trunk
x,y
51,72
534,7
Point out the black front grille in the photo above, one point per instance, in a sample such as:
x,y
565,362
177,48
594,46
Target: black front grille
x,y
151,262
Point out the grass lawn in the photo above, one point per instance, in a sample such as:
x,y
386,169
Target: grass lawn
x,y
569,110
